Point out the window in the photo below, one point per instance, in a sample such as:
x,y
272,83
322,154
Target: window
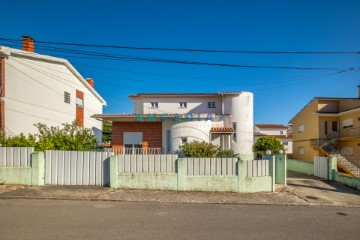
x,y
301,150
326,128
234,134
67,97
154,104
285,143
182,104
334,126
281,132
301,128
211,104
80,102
348,123
183,140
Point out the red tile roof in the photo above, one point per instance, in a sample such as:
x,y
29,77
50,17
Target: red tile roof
x,y
222,130
277,126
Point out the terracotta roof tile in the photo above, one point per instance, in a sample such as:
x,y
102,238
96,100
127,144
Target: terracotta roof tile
x,y
278,126
222,130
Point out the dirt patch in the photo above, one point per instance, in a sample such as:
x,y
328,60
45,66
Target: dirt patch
x,y
9,188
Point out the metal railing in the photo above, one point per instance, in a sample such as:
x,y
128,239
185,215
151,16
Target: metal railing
x,y
135,151
350,132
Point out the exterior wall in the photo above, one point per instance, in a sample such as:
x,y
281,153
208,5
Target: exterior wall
x,y
242,108
311,131
152,133
300,166
269,131
347,104
35,93
330,106
330,133
171,105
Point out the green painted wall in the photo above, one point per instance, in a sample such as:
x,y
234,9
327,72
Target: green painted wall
x,y
34,175
338,177
181,182
15,175
300,166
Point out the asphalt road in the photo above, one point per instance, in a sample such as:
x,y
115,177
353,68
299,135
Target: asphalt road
x,y
52,219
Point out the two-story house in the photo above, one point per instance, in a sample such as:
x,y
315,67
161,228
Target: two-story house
x,y
37,88
329,126
281,132
163,121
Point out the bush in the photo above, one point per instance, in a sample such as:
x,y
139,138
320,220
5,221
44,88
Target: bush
x,y
203,149
268,143
69,137
17,141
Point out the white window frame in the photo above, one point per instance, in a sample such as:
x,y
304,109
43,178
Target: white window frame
x,y
234,137
182,104
348,123
182,140
79,102
301,150
301,128
154,104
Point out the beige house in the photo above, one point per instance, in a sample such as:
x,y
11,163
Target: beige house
x,y
329,127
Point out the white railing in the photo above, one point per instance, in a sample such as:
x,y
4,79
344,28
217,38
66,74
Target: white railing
x,y
134,151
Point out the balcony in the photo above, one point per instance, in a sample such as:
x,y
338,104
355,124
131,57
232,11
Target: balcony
x,y
350,132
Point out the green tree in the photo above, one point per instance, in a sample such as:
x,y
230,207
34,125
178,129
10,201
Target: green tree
x,y
268,143
203,149
107,132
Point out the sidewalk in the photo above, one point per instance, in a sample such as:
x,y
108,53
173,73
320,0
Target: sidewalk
x,y
284,196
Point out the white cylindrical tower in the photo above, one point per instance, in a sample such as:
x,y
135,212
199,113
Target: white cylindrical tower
x,y
242,117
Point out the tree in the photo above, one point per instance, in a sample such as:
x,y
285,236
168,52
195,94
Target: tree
x,y
268,143
107,132
203,149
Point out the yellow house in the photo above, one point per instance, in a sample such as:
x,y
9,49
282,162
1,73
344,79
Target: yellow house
x,y
329,126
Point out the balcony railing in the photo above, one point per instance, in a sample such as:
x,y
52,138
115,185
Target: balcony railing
x,y
135,151
350,132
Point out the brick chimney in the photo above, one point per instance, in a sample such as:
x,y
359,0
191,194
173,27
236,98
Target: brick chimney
x,y
28,43
90,81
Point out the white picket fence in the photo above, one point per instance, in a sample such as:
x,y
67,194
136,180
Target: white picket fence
x,y
256,168
158,163
321,167
77,168
210,166
15,156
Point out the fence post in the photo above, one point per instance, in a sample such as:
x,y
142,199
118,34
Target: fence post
x,y
272,171
332,168
180,170
241,176
38,169
113,171
280,169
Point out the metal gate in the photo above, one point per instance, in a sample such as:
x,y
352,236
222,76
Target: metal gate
x,y
321,167
77,168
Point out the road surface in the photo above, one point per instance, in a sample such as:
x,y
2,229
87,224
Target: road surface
x,y
54,219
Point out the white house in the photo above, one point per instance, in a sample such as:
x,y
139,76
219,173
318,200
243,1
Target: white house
x,y
284,133
38,88
167,120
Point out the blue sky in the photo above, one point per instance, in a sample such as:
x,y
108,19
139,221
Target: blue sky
x,y
229,25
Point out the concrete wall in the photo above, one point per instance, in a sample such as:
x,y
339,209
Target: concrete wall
x,y
180,180
33,175
34,92
300,166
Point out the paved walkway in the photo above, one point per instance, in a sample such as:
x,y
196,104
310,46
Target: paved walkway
x,y
322,192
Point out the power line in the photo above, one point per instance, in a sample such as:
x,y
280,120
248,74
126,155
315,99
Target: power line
x,y
187,49
186,62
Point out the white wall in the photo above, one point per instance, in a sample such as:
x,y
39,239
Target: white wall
x,y
272,131
34,92
171,105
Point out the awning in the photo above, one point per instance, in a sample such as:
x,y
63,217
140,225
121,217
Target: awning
x,y
222,130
